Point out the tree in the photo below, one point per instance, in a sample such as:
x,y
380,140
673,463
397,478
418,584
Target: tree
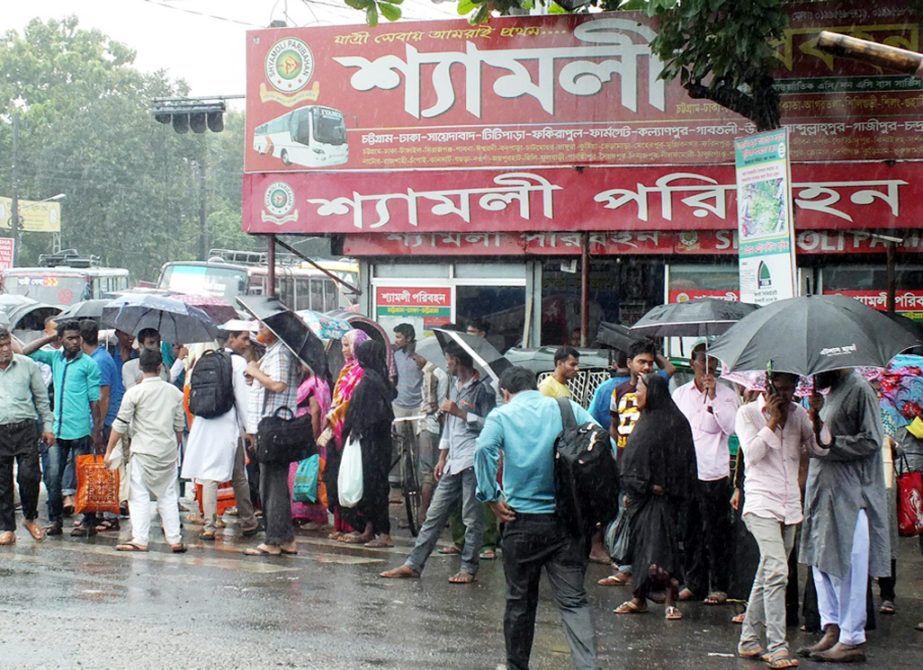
x,y
87,131
720,50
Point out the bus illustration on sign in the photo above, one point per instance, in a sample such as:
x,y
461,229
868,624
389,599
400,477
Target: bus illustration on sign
x,y
311,136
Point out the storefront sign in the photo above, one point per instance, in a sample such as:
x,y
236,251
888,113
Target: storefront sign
x,y
826,197
685,295
766,232
908,303
7,245
555,90
420,306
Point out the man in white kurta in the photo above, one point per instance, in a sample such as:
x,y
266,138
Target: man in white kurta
x,y
215,452
153,410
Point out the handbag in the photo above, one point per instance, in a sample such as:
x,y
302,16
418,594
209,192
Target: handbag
x,y
305,487
349,480
909,500
97,485
280,440
617,538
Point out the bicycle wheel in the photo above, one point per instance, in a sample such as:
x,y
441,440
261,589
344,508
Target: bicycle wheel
x,y
411,490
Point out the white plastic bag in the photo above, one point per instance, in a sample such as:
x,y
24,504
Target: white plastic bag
x,y
349,480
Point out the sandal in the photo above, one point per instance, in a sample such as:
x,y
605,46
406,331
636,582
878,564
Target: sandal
x,y
716,598
462,577
685,595
672,614
488,555
618,579
630,607
449,550
178,548
739,618
781,659
750,651
106,525
400,572
378,543
354,539
261,550
131,546
887,607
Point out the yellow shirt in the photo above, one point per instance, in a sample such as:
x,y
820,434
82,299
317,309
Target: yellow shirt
x,y
552,388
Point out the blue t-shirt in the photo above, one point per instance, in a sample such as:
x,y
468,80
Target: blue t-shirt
x,y
76,385
111,377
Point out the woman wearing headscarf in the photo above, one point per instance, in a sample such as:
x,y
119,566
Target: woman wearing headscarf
x,y
658,474
369,420
332,437
314,399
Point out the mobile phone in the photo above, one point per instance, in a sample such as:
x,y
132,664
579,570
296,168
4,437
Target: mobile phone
x,y
769,385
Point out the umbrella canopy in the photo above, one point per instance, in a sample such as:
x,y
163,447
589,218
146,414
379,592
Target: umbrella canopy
x,y
915,328
177,322
371,328
487,360
291,330
701,317
811,334
324,326
617,336
216,308
85,309
901,391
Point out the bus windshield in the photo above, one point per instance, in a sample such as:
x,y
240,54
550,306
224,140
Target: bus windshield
x,y
328,126
48,287
222,282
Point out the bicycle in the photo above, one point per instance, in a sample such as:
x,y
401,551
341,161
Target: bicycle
x,y
410,480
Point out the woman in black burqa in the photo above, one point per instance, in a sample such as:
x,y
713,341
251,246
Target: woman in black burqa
x,y
369,418
658,475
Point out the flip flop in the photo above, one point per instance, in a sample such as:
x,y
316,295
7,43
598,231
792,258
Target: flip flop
x,y
672,614
261,551
288,552
398,573
754,651
629,607
619,579
449,550
685,595
739,618
130,546
462,577
378,544
716,598
488,555
781,660
887,607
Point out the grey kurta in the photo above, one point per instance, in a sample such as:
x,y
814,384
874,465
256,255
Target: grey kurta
x,y
848,478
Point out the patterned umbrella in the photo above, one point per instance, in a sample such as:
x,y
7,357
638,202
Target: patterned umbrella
x,y
901,391
324,326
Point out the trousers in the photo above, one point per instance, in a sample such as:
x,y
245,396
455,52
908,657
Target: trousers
x,y
141,508
19,444
841,600
241,495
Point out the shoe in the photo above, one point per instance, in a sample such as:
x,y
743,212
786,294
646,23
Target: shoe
x,y
830,638
841,653
36,531
207,536
83,531
55,528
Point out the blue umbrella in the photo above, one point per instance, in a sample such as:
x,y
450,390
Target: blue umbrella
x,y
177,322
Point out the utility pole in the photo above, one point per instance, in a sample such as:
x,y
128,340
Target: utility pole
x,y
203,195
14,205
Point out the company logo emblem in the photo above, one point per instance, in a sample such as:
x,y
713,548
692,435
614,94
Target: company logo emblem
x,y
289,65
279,204
764,276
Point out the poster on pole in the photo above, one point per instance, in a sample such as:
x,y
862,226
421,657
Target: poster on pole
x,y
7,245
766,230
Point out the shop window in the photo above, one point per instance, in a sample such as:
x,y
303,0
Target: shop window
x,y
503,308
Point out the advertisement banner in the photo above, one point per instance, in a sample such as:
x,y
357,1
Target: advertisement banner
x,y
422,307
7,245
35,216
685,295
832,196
766,232
906,303
556,90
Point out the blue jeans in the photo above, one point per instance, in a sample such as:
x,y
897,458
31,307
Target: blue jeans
x,y
54,463
449,489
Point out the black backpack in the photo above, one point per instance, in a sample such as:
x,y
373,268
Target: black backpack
x,y
586,475
211,386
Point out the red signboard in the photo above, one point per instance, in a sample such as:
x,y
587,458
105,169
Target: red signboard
x,y
904,301
555,90
401,296
827,197
7,244
685,295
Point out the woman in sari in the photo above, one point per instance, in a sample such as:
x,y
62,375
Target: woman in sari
x,y
369,420
658,475
314,399
332,437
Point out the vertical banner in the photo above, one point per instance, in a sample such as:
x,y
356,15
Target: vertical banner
x,y
764,218
7,244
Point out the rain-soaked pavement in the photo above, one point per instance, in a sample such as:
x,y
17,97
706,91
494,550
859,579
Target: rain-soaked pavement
x,y
72,603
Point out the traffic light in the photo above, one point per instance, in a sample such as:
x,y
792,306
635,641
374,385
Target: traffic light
x,y
197,114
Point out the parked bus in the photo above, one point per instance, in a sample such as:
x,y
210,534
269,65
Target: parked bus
x,y
64,278
299,286
312,136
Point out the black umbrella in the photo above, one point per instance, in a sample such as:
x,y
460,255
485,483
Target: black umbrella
x,y
291,330
617,336
810,335
486,358
177,322
701,317
915,328
85,309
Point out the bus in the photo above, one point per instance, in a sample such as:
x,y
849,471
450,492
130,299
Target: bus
x,y
298,286
64,278
311,136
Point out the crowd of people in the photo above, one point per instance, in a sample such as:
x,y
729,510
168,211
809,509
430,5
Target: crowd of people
x,y
808,485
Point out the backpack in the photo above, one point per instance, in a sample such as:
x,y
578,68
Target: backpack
x,y
211,386
586,475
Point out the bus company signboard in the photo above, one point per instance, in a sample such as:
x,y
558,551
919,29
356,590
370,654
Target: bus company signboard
x,y
422,306
833,196
556,90
7,245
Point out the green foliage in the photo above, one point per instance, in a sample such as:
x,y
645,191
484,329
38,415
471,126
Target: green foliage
x,y
131,183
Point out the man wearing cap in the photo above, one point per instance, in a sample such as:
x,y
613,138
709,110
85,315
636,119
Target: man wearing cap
x,y
711,409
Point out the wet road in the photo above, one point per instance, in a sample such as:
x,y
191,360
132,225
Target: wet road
x,y
75,603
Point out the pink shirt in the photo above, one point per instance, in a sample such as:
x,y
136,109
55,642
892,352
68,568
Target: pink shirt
x,y
771,489
712,423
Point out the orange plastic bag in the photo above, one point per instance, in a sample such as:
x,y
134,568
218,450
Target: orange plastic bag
x,y
97,485
226,497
